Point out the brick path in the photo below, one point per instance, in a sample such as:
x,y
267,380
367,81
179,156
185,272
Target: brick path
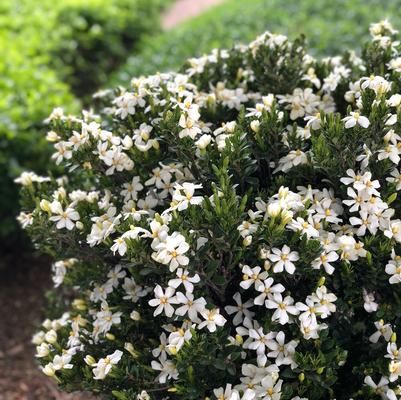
x,y
185,9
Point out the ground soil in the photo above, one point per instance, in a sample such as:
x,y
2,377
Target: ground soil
x,y
24,280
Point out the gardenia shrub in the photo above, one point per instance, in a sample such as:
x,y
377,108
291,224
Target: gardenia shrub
x,y
232,232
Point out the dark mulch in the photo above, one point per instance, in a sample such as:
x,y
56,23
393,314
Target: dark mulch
x,y
24,280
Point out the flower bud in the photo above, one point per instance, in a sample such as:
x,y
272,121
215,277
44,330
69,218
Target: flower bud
x,y
51,336
38,338
127,142
239,339
286,216
45,205
79,304
79,225
267,265
52,136
135,315
301,377
89,360
42,350
393,337
321,281
47,324
110,336
49,370
130,348
274,210
155,144
255,125
203,142
247,241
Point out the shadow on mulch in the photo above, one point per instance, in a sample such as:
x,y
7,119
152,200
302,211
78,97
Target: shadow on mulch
x,y
24,279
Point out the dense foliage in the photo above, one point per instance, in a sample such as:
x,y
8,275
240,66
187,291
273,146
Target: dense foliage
x,y
230,232
47,51
330,25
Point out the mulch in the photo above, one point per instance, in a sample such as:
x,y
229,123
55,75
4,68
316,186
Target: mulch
x,y
24,279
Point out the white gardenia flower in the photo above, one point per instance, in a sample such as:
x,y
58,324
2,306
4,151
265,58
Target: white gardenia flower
x,y
167,369
190,127
183,278
260,341
269,388
369,302
163,301
172,250
393,230
62,362
267,288
226,393
64,218
383,330
213,319
241,309
119,246
283,259
184,195
395,178
281,351
356,119
104,365
190,306
379,388
395,370
252,276
325,260
282,308
131,189
393,268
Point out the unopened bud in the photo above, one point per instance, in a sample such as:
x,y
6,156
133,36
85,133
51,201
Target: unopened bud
x,y
49,370
130,348
135,316
110,336
239,339
79,304
287,216
255,125
274,210
51,336
45,205
301,377
89,360
247,241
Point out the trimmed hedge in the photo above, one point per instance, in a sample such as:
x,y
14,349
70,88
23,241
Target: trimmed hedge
x,y
330,27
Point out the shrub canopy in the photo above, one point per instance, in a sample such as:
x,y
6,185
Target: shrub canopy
x,y
230,232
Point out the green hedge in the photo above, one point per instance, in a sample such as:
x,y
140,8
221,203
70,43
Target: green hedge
x,y
330,25
50,53
85,40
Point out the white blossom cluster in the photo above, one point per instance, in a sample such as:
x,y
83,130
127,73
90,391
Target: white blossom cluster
x,y
135,213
